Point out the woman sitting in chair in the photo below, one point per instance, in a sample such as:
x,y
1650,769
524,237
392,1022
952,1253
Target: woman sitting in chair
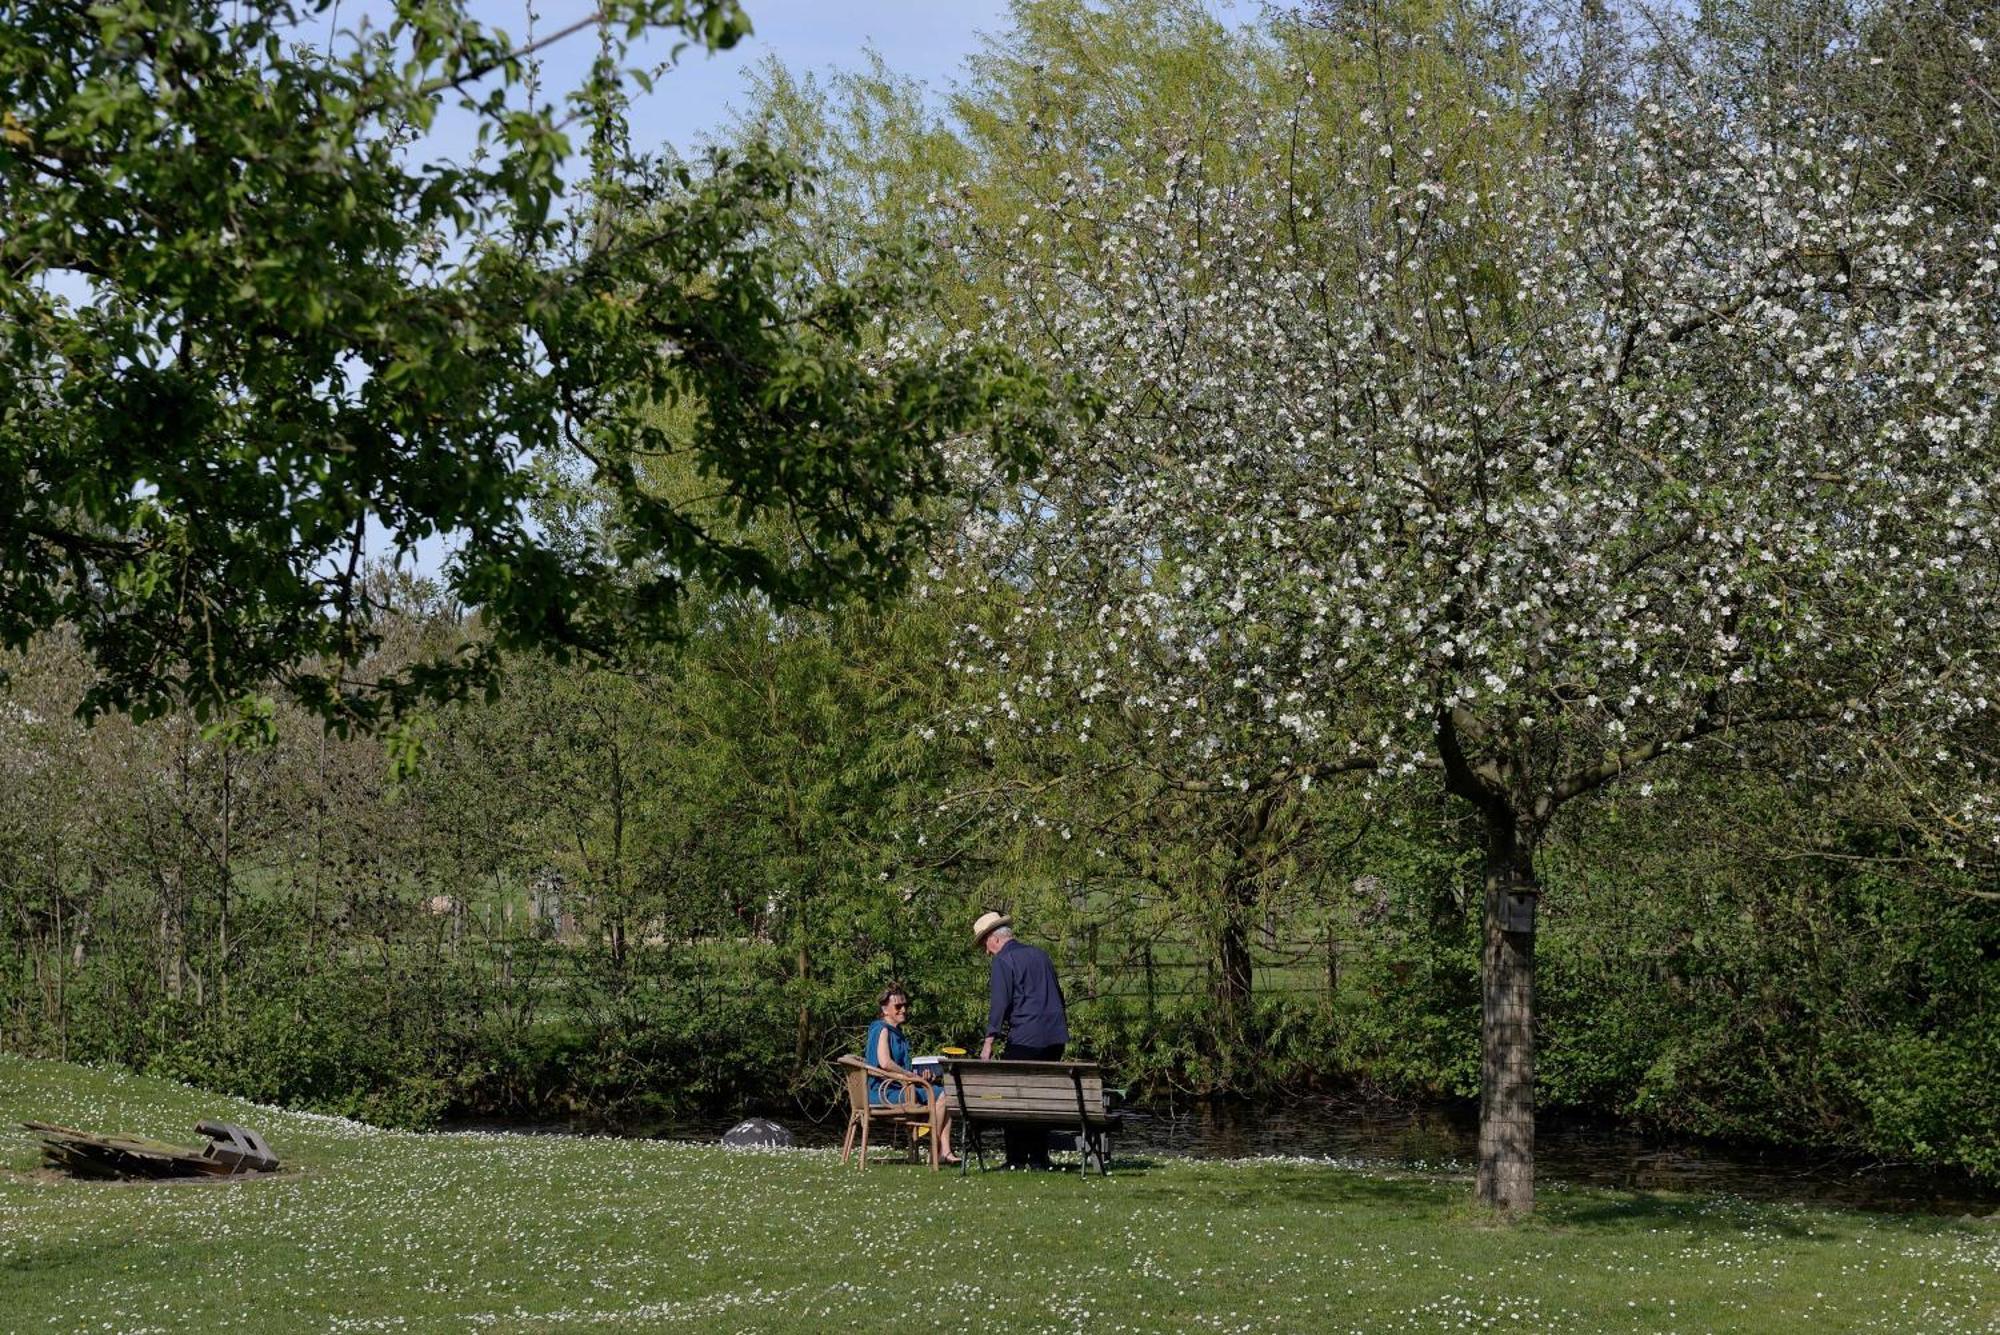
x,y
888,1050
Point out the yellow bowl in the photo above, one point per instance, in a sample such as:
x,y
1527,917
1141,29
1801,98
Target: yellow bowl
x,y
952,1052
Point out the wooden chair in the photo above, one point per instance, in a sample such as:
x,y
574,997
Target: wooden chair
x,y
909,1115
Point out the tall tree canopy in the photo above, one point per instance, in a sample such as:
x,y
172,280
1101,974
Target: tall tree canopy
x,y
253,338
1518,432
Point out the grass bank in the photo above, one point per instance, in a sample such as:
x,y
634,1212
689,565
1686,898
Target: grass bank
x,y
399,1231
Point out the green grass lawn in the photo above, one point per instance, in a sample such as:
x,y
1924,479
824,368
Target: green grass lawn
x,y
397,1231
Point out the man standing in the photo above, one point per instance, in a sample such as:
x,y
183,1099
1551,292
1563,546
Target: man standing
x,y
1027,1006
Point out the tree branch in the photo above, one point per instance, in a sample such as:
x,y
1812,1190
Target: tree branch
x,y
480,71
1480,784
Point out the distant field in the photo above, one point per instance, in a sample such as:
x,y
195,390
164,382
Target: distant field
x,y
395,1231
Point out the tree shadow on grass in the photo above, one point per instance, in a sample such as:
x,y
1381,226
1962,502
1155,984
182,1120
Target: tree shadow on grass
x,y
1255,1184
1137,1166
1634,1211
1560,1211
1261,1186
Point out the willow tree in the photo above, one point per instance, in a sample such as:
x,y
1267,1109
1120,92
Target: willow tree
x,y
1518,450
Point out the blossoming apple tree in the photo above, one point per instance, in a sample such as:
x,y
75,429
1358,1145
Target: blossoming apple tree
x,y
1512,448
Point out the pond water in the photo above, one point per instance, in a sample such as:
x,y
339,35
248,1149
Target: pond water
x,y
1580,1152
1445,1139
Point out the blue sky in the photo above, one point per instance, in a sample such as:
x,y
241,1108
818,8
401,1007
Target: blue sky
x,y
925,39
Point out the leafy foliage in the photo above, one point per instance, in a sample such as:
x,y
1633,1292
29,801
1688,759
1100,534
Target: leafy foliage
x,y
253,337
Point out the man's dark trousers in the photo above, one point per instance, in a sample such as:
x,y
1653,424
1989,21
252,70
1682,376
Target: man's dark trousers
x,y
1028,1146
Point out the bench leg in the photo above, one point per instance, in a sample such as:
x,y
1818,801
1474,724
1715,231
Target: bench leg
x,y
1082,1125
864,1143
847,1145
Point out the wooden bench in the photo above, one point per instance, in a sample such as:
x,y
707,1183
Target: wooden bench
x,y
1056,1095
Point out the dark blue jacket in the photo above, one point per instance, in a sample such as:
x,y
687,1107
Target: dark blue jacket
x,y
1027,1001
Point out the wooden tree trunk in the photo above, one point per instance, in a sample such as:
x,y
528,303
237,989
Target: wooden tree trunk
x,y
1152,993
617,860
1235,978
62,985
172,946
802,1036
223,885
1241,893
1507,1030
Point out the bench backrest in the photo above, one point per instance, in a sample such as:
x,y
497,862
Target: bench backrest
x,y
1040,1091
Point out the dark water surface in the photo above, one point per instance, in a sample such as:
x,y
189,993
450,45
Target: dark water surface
x,y
1580,1152
1444,1140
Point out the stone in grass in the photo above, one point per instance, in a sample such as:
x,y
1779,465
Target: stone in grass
x,y
757,1133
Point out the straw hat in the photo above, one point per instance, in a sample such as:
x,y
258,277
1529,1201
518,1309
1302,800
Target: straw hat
x,y
987,922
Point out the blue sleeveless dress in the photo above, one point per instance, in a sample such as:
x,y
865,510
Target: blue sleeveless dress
x,y
882,1092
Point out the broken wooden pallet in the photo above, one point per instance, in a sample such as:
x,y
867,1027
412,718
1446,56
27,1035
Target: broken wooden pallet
x,y
231,1151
